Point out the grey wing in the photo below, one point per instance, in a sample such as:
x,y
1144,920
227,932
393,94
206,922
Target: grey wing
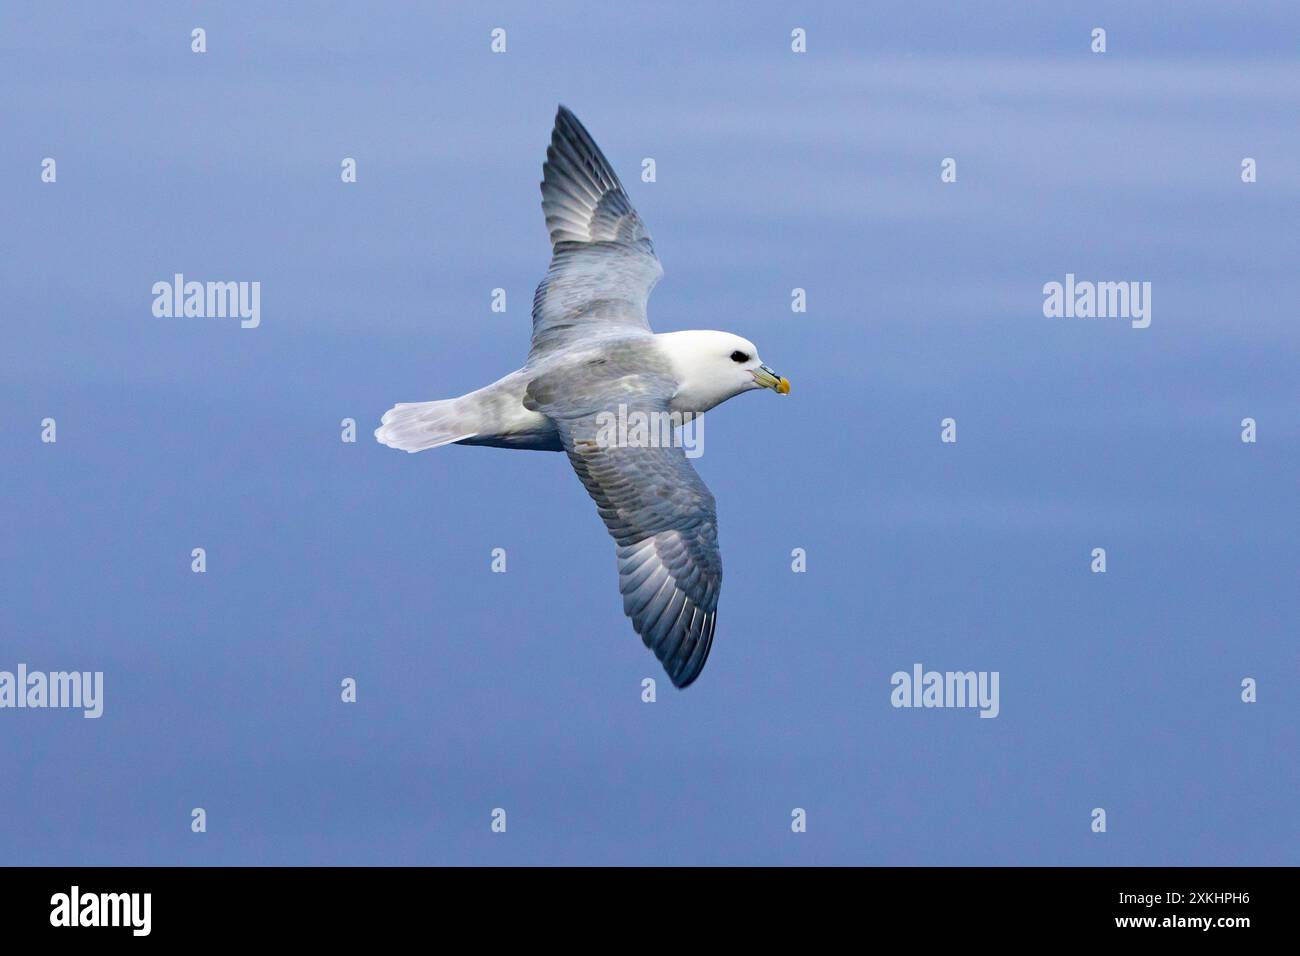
x,y
660,514
603,264
664,523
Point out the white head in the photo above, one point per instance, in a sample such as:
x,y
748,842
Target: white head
x,y
711,367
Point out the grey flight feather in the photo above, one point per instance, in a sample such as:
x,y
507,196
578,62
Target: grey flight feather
x,y
659,512
603,264
657,509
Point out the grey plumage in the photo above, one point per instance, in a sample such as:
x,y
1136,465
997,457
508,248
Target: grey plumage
x,y
659,512
657,509
594,355
603,264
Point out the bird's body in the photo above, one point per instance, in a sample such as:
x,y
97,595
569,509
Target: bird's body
x,y
593,353
498,415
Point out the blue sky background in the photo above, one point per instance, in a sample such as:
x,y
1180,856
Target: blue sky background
x,y
522,690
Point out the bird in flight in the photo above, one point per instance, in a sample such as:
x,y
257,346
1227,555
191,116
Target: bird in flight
x,y
594,356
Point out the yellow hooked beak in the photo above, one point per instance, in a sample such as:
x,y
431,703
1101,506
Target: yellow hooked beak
x,y
768,379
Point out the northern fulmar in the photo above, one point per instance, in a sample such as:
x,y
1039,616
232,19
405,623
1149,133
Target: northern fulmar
x,y
594,357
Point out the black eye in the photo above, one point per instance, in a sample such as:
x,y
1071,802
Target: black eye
x,y
739,356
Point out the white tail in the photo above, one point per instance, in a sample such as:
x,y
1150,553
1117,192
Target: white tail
x,y
415,426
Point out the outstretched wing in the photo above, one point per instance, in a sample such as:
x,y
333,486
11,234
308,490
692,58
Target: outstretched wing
x,y
663,520
603,264
657,509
